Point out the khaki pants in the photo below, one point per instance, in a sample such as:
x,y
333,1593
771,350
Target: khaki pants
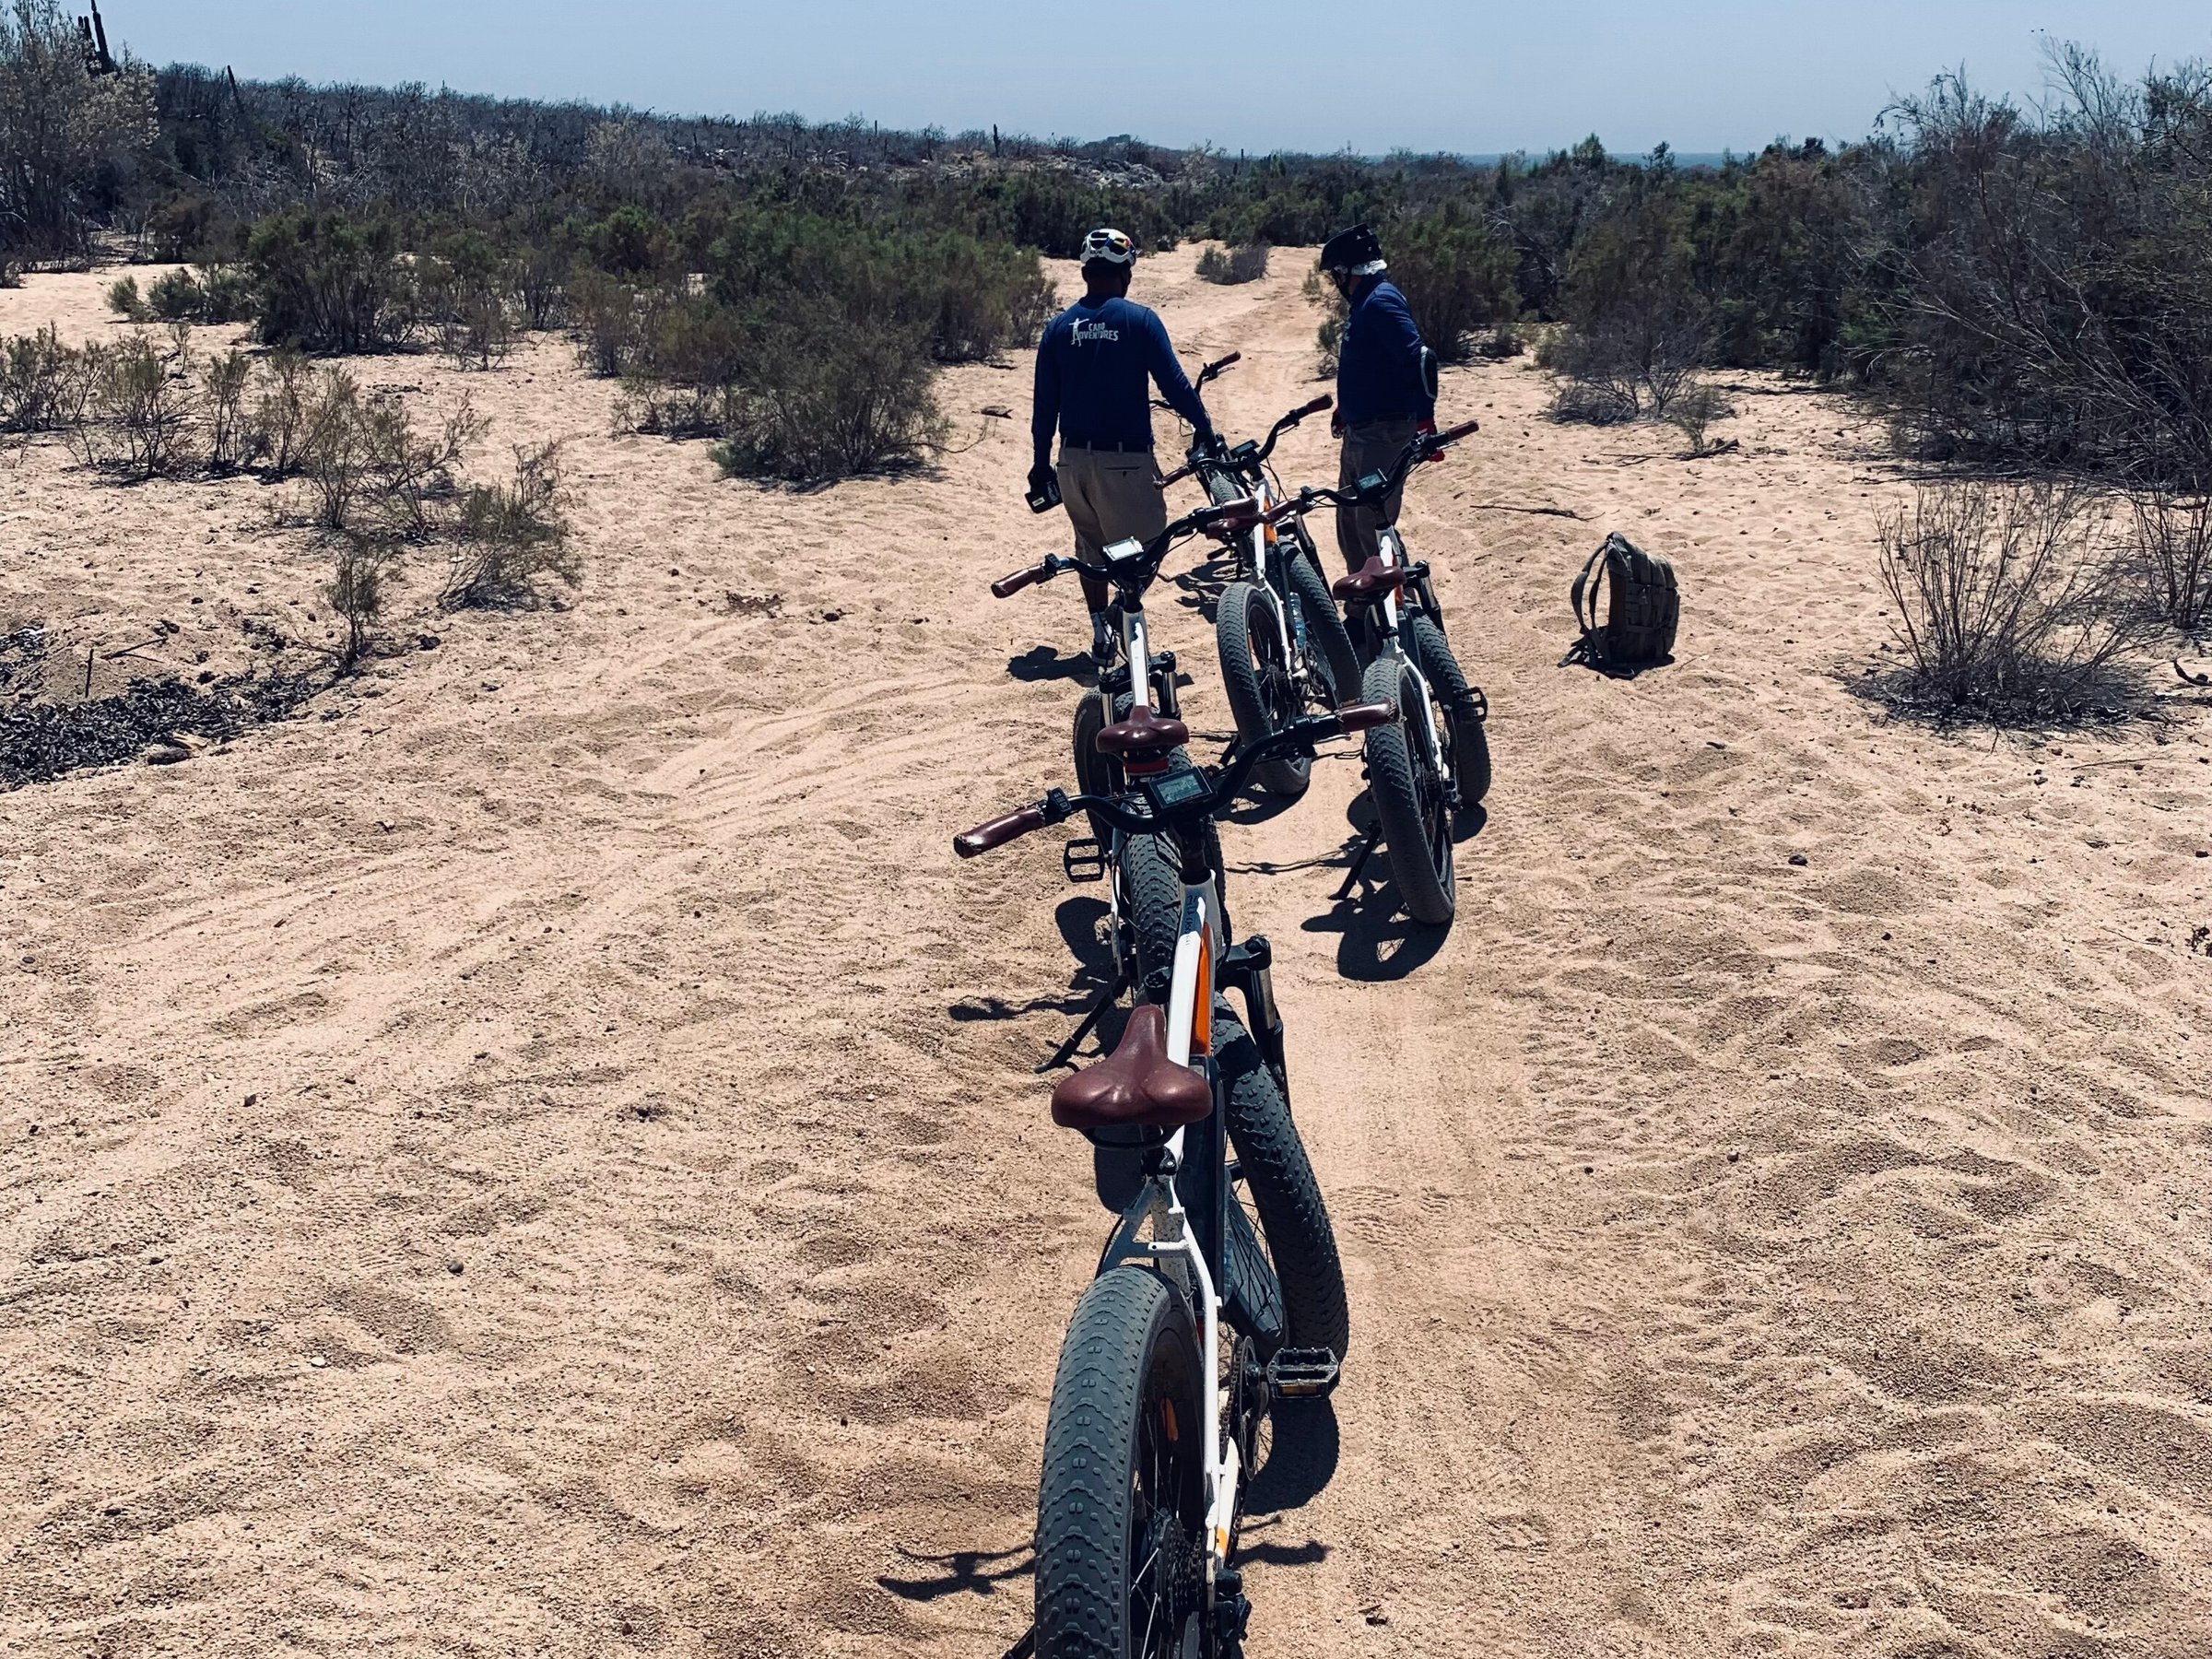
x,y
1367,449
1110,494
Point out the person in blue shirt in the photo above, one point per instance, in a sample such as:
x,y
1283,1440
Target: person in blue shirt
x,y
1385,382
1096,367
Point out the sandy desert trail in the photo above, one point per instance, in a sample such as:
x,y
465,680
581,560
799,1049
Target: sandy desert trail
x,y
539,1155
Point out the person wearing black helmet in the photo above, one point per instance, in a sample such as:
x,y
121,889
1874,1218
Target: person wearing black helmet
x,y
1385,382
1095,369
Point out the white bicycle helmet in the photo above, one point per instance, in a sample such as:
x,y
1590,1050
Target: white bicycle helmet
x,y
1112,246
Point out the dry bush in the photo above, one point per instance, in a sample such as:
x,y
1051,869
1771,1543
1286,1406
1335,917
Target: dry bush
x,y
1693,413
368,472
235,440
361,573
280,413
142,412
43,384
2173,541
1229,265
2008,604
512,538
1618,366
607,313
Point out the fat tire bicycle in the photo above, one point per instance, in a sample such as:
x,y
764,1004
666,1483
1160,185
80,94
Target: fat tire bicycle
x,y
1283,647
1144,891
1425,769
1202,1316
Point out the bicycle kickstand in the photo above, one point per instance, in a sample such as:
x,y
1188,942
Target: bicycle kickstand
x,y
1065,1053
1369,840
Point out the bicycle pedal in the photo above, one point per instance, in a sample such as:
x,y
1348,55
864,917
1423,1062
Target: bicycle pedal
x,y
1084,860
1302,1374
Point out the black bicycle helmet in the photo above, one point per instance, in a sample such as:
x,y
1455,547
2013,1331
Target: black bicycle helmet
x,y
1348,250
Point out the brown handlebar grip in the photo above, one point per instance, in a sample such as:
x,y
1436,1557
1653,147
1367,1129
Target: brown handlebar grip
x,y
1323,402
1006,587
998,831
1453,434
1221,363
1177,477
1361,717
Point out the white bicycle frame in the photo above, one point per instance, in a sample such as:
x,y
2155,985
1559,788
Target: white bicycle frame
x,y
1392,550
1190,1026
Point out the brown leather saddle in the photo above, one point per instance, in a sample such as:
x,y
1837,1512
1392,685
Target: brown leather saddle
x,y
1143,737
1137,1087
1370,581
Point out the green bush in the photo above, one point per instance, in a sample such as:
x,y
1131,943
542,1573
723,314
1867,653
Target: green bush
x,y
326,283
174,298
126,302
835,397
1245,263
1457,276
43,383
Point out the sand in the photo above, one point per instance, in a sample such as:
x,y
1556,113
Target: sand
x,y
538,1155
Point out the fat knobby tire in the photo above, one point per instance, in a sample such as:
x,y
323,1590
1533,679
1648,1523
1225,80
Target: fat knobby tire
x,y
1425,890
1280,1178
1241,615
1127,1323
1470,735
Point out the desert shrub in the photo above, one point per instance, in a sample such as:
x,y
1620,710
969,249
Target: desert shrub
x,y
2173,541
66,133
832,399
989,297
233,440
464,300
2007,603
175,297
539,276
280,413
326,283
1693,412
1615,365
43,384
1456,274
370,472
126,302
512,538
361,570
142,415
1320,292
1247,263
606,314
226,295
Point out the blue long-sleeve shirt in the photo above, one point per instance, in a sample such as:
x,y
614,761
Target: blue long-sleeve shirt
x,y
1379,360
1092,369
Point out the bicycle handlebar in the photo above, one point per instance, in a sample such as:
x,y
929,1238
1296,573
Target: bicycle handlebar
x,y
1222,787
1419,449
1238,515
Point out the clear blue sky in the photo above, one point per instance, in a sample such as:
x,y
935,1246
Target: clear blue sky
x,y
1290,74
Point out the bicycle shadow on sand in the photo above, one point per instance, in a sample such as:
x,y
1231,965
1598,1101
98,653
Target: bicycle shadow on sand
x,y
1380,943
1078,918
962,1573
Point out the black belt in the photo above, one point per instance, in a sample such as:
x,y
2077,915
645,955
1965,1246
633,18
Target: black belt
x,y
1069,442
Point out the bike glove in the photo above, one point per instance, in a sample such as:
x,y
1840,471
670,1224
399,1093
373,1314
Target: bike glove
x,y
1042,477
1427,428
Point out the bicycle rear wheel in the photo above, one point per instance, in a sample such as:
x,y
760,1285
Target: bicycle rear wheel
x,y
1409,796
1467,728
1120,1503
1327,639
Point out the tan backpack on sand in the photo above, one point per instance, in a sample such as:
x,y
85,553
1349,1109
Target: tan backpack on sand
x,y
1634,593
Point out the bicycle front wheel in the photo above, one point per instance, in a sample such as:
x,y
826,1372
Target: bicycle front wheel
x,y
1121,1505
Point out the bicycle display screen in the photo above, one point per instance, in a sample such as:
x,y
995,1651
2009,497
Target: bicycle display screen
x,y
1176,790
